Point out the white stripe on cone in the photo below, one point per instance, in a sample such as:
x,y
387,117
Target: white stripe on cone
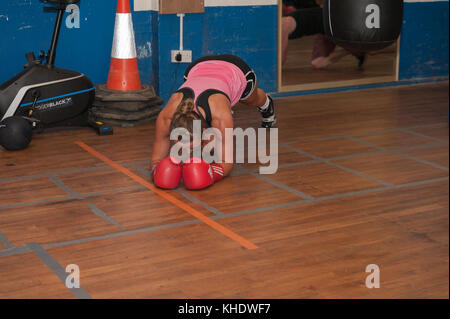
x,y
124,46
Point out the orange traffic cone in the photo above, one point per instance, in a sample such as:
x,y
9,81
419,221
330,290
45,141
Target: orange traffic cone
x,y
123,72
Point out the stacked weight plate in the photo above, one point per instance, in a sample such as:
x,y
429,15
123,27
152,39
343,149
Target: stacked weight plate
x,y
128,108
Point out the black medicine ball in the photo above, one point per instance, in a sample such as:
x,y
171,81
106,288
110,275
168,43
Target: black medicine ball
x,y
15,133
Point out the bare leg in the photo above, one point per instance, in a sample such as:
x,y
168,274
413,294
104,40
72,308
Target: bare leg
x,y
257,98
336,55
288,25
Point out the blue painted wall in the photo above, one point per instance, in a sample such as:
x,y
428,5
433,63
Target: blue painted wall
x,y
171,74
424,41
246,35
25,27
145,25
251,34
247,31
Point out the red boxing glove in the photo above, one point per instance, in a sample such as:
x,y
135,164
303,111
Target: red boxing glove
x,y
197,174
167,173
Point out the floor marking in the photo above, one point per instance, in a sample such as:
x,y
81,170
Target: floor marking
x,y
426,125
264,209
12,179
137,163
53,199
402,154
442,142
421,161
337,158
419,147
236,171
25,249
363,134
79,170
183,193
195,200
5,242
422,135
121,189
331,197
61,185
434,180
349,170
14,251
225,231
141,170
59,271
329,162
98,212
69,197
277,184
121,234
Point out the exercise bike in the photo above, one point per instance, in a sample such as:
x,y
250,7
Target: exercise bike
x,y
45,96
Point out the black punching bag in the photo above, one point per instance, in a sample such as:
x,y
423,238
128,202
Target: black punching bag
x,y
363,25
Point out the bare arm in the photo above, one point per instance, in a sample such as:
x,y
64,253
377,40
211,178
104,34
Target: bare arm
x,y
221,120
161,144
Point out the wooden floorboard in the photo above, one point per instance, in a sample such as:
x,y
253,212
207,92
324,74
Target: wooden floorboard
x,y
362,179
25,276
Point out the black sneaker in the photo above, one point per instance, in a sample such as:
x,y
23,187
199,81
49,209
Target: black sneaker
x,y
268,116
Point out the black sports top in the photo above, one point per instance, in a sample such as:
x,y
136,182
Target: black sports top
x,y
201,101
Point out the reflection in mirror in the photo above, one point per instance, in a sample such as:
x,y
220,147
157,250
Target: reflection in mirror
x,y
308,56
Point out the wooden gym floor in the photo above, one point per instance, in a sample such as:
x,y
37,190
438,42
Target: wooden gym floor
x,y
363,179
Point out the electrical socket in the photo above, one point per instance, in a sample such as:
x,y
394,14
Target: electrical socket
x,y
186,56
